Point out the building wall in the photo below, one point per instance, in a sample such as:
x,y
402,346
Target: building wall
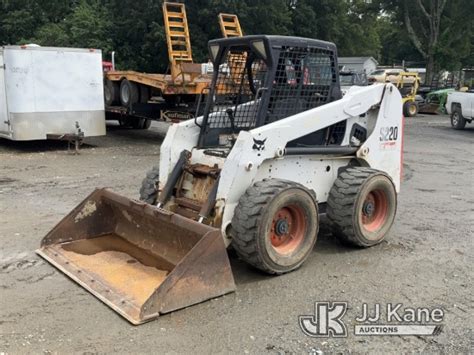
x,y
370,66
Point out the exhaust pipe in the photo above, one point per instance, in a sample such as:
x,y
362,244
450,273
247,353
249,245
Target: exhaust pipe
x,y
113,60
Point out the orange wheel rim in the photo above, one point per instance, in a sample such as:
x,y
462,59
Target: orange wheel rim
x,y
287,229
374,210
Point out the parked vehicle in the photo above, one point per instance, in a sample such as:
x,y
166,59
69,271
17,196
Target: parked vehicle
x,y
50,93
407,83
136,98
435,101
351,78
460,105
421,74
388,75
255,171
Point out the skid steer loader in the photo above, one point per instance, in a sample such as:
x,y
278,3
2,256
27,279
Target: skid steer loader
x,y
255,171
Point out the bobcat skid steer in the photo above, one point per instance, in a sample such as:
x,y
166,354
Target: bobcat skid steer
x,y
277,146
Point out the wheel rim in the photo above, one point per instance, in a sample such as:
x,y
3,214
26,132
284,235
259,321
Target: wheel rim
x,y
107,93
455,118
374,210
412,110
287,229
125,93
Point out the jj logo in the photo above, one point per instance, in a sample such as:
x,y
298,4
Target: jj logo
x,y
326,321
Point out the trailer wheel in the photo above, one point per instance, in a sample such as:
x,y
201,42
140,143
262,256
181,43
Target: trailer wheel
x,y
410,109
125,122
149,189
144,94
111,92
361,206
275,225
457,119
140,123
146,124
129,93
137,123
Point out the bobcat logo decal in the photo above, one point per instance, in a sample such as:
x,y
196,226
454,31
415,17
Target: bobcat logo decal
x,y
258,145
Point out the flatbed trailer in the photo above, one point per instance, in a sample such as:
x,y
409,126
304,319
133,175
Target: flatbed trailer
x,y
135,98
147,96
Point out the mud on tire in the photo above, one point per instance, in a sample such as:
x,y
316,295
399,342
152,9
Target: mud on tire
x,y
361,206
149,189
275,225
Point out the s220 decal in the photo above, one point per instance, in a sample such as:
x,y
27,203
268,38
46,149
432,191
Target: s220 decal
x,y
388,137
388,134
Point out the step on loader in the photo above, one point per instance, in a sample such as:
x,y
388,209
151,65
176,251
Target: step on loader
x,y
255,172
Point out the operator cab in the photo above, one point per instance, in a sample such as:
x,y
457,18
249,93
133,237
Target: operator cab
x,y
262,79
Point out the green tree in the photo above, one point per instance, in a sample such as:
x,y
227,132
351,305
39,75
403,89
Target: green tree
x,y
90,26
19,20
85,24
441,31
438,32
255,16
352,25
138,35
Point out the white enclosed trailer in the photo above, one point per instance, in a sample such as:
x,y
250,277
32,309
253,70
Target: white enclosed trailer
x,y
50,91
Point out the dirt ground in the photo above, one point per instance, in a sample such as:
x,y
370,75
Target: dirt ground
x,y
426,261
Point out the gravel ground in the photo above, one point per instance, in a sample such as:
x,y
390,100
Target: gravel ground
x,y
426,261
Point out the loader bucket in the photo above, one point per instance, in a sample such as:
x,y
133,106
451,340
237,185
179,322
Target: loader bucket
x,y
140,260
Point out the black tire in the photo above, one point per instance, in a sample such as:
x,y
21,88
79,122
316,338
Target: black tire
x,y
362,205
457,119
125,122
146,124
149,188
140,123
144,94
137,123
129,93
111,92
410,109
273,245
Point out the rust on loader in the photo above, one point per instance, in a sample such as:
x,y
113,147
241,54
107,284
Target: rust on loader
x,y
140,260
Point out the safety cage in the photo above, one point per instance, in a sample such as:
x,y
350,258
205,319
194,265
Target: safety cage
x,y
261,79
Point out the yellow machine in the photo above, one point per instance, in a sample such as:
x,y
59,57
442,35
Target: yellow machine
x,y
407,84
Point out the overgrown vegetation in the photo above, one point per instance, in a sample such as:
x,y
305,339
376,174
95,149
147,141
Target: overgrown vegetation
x,y
437,34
